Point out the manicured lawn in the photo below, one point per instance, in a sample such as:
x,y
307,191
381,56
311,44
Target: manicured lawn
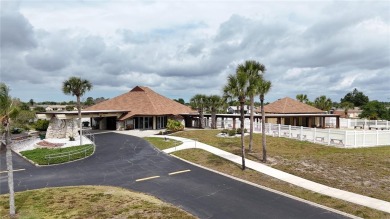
x,y
319,163
88,202
58,155
161,143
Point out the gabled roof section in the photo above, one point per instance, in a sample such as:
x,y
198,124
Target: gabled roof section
x,y
288,106
142,101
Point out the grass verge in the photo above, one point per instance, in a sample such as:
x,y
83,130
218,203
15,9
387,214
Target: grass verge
x,y
161,143
88,202
284,152
59,155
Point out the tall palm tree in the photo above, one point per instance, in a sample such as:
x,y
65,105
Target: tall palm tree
x,y
346,105
255,70
8,110
237,86
302,98
263,88
323,103
198,102
77,87
214,102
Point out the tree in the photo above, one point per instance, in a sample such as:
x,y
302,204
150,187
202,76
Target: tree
x,y
302,98
89,101
374,110
198,102
255,71
323,103
263,88
346,106
356,97
77,87
31,102
237,87
180,100
8,111
213,103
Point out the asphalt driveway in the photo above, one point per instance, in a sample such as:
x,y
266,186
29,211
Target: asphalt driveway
x,y
131,162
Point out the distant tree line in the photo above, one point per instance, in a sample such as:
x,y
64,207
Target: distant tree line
x,y
373,110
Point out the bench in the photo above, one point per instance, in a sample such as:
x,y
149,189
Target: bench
x,y
321,139
299,136
359,126
336,141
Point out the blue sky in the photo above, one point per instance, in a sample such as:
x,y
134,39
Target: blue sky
x,y
181,48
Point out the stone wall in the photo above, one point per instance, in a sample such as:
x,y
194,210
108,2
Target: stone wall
x,y
62,128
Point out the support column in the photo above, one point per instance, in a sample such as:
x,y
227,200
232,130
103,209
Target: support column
x,y
234,123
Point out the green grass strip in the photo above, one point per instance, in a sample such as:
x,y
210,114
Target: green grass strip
x,y
58,155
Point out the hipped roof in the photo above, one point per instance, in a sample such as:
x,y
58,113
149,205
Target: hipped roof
x,y
289,106
142,101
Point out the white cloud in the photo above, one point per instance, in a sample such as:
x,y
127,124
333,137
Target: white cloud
x,y
186,47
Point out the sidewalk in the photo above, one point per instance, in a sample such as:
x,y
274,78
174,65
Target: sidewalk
x,y
298,181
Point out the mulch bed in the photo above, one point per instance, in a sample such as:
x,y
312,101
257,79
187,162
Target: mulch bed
x,y
49,144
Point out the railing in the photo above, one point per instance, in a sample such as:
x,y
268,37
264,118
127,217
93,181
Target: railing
x,y
69,154
334,137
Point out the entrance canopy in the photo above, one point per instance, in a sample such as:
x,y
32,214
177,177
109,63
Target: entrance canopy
x,y
84,114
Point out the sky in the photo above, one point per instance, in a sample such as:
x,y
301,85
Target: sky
x,y
180,48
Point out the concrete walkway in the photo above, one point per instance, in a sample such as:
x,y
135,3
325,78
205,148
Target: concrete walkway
x,y
298,181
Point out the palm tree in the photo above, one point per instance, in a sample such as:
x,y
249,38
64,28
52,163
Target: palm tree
x,y
262,88
8,110
214,102
255,70
346,106
302,98
77,87
323,103
237,87
198,102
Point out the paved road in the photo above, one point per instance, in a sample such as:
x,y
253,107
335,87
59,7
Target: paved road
x,y
121,160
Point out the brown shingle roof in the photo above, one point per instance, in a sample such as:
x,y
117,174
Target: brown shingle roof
x,y
289,106
142,101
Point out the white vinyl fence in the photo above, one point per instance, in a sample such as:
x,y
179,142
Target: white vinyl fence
x,y
335,137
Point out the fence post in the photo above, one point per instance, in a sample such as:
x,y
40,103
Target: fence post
x,y
355,139
279,129
269,128
377,137
315,135
364,138
289,131
345,138
328,136
301,133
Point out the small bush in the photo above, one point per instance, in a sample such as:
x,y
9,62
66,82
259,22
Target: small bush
x,y
174,125
232,132
41,125
225,131
239,131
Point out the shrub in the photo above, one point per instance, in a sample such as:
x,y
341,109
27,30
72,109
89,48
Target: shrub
x,y
41,125
232,132
239,131
225,131
174,125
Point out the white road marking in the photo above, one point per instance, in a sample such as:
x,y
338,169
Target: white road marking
x,y
147,178
6,171
177,172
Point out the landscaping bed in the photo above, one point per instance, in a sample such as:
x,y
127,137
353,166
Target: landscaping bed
x,y
47,156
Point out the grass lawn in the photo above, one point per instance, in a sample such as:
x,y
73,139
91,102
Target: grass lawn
x,y
88,202
38,155
363,171
162,143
